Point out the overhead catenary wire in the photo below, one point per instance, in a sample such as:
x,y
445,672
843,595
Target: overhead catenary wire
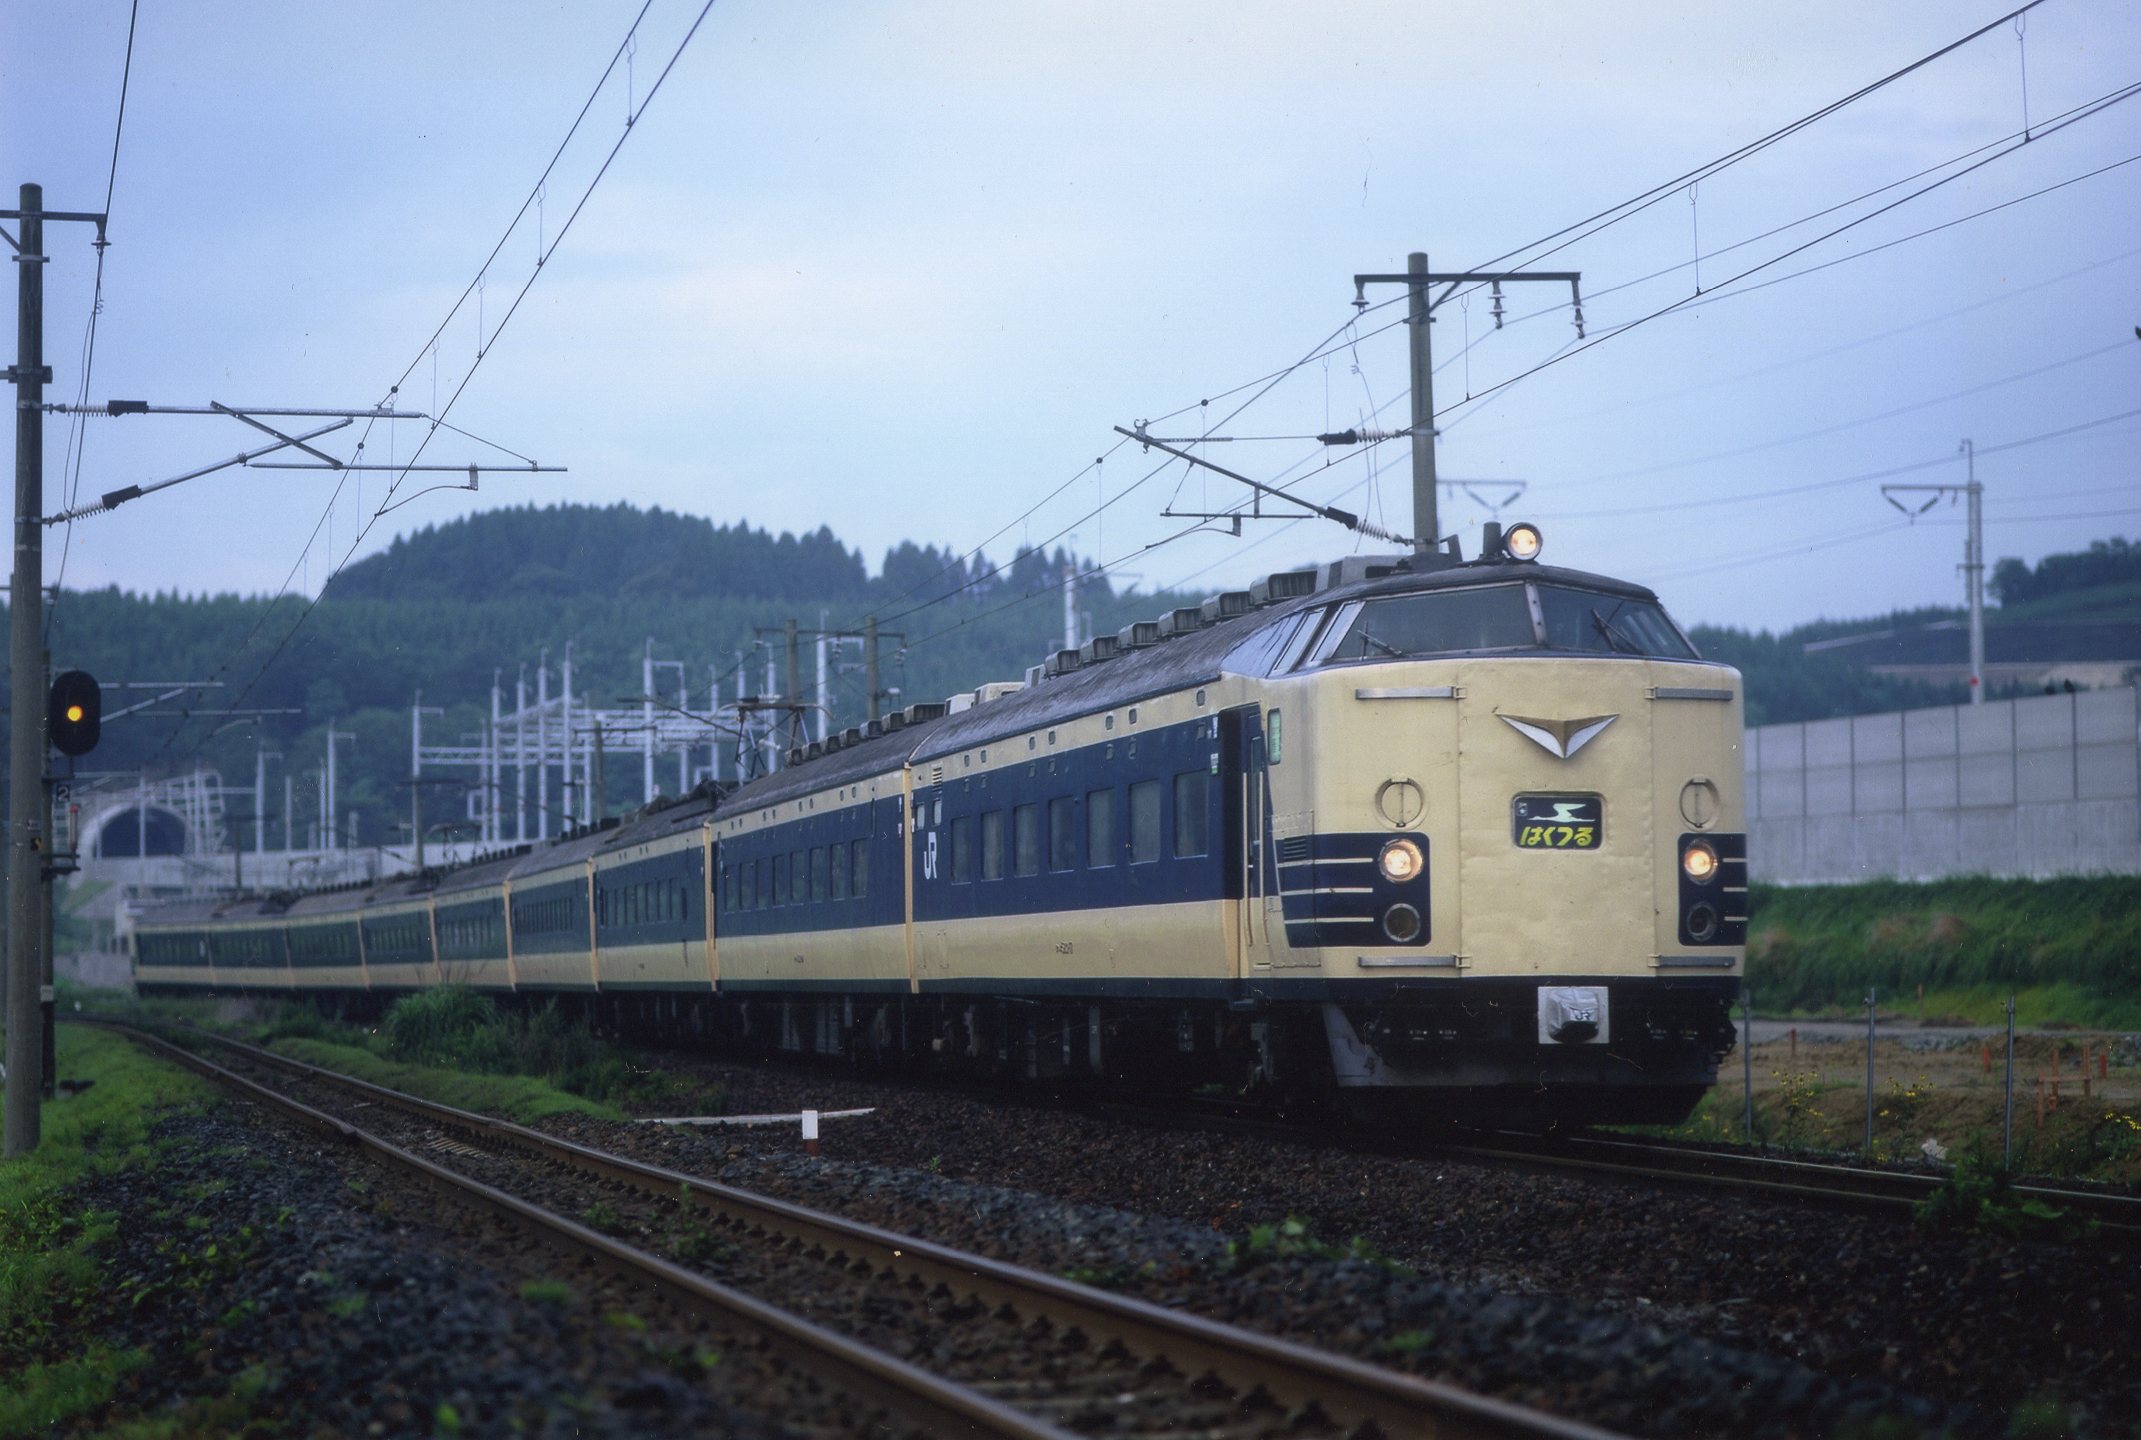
x,y
440,413
1701,502
1709,296
78,429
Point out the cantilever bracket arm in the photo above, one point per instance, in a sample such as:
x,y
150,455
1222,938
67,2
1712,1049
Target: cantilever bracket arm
x,y
271,430
1329,512
113,499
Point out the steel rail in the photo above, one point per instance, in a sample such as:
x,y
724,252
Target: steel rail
x,y
1350,1392
2117,1217
936,1405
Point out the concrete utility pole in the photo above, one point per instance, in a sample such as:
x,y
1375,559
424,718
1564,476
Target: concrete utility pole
x,y
1420,308
26,728
869,662
332,736
1973,566
793,692
825,683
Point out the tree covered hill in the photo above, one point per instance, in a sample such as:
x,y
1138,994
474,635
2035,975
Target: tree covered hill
x,y
2099,588
572,550
490,599
455,608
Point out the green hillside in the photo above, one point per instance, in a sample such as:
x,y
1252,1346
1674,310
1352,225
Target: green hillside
x,y
2100,586
451,609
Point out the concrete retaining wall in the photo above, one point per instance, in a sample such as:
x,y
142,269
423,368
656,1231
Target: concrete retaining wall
x,y
2050,785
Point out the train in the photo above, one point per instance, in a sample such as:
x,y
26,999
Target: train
x,y
1426,838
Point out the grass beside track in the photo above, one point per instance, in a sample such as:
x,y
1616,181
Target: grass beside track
x,y
46,1265
516,1097
2069,948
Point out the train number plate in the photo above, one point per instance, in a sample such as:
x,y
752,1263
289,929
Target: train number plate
x,y
1558,822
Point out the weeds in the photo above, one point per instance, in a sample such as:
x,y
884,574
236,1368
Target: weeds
x,y
1290,1238
458,1028
1978,1198
1798,1110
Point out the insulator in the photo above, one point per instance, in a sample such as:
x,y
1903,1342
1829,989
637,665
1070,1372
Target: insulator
x,y
1497,304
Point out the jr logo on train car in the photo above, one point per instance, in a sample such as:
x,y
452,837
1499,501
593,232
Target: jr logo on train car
x,y
1558,822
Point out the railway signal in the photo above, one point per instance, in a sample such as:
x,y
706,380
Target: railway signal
x,y
74,713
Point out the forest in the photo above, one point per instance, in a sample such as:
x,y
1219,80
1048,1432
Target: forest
x,y
450,611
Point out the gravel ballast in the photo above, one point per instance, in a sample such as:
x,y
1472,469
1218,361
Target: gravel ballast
x,y
1734,1315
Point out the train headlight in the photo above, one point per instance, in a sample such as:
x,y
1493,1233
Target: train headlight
x,y
1400,861
1402,924
1522,541
1699,862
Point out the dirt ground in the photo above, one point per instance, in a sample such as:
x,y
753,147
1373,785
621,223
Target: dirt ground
x,y
2077,1094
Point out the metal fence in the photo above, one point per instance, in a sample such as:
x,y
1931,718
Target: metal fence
x,y
2049,785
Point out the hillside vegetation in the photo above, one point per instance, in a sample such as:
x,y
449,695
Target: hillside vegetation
x,y
2071,946
453,609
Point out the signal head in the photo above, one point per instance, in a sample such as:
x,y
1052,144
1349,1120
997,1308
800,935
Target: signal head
x,y
74,713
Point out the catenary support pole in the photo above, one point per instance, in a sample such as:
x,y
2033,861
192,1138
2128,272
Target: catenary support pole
x,y
825,683
1974,574
26,721
1426,527
869,664
792,694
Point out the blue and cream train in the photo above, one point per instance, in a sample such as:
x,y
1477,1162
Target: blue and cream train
x,y
1434,837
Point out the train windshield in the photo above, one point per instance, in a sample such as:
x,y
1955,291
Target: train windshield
x,y
1587,620
1498,617
1495,617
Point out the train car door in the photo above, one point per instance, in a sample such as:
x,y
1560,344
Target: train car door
x,y
1244,770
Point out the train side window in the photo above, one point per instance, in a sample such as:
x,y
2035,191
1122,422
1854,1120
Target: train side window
x,y
798,877
862,868
992,845
1274,737
963,848
836,858
1099,829
1191,789
821,885
780,881
1144,822
1062,833
1026,840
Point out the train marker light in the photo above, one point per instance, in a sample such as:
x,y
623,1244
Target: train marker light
x,y
1522,541
1699,861
1401,923
1400,861
74,713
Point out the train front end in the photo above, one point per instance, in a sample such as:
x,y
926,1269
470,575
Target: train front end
x,y
1514,854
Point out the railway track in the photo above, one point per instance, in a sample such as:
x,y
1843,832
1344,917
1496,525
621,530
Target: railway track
x,y
952,1343
2115,1219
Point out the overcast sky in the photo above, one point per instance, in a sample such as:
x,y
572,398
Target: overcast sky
x,y
899,268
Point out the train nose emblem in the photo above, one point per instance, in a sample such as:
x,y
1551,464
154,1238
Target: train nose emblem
x,y
1559,738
